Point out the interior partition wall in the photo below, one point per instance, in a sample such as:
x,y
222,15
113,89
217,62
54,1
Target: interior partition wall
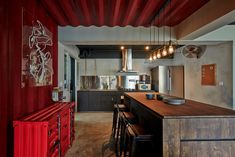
x,y
16,100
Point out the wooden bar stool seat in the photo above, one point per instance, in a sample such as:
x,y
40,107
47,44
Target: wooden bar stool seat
x,y
137,142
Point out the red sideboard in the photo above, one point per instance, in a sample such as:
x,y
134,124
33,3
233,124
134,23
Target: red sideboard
x,y
46,133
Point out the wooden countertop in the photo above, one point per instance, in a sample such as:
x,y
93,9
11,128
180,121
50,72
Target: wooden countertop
x,y
187,110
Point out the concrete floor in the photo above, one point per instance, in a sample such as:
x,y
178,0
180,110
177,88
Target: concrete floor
x,y
93,130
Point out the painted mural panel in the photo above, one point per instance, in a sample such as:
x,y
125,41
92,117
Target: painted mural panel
x,y
36,54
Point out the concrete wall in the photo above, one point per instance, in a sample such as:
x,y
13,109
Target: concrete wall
x,y
111,66
224,33
221,94
112,35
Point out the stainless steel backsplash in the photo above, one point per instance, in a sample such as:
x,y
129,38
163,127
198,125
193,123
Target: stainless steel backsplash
x,y
98,82
126,82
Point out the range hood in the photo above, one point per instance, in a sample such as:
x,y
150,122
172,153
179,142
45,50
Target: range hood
x,y
127,63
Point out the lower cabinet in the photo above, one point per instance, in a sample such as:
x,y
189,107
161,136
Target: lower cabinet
x,y
46,133
98,100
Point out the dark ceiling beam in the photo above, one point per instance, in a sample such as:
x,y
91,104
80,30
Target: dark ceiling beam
x,y
68,8
55,12
131,12
174,8
86,12
167,14
117,4
149,11
211,16
187,11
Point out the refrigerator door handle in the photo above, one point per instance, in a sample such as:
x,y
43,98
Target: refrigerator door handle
x,y
169,80
169,84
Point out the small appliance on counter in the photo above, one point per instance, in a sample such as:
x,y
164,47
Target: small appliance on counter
x,y
143,87
57,94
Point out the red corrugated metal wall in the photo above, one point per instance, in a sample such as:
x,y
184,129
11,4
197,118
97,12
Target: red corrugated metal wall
x,y
15,101
3,76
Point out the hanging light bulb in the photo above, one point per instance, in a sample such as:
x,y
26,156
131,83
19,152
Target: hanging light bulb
x,y
158,54
147,48
170,48
164,51
122,47
154,56
150,58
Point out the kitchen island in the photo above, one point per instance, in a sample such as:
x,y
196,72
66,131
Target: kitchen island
x,y
192,129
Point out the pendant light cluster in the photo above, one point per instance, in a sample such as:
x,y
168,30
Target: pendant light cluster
x,y
165,50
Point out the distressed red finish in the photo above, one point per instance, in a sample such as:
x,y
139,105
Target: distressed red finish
x,y
45,133
121,12
15,101
4,76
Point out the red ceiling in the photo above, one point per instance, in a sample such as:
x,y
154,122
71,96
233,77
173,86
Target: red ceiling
x,y
121,12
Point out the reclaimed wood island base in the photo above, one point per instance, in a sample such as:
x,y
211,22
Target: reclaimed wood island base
x,y
192,129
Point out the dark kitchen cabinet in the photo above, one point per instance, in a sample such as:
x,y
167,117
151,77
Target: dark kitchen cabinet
x,y
98,100
94,101
82,97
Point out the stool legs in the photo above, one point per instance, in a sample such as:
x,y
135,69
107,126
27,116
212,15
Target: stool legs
x,y
115,118
120,136
117,137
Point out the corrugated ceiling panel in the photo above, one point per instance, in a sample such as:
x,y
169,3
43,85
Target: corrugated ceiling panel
x,y
121,12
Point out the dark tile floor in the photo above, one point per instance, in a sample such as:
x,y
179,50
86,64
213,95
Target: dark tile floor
x,y
92,137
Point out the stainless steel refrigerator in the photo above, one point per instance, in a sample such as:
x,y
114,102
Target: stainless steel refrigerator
x,y
168,80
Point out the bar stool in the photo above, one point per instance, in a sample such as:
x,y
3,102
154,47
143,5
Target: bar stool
x,y
111,144
125,118
117,108
137,143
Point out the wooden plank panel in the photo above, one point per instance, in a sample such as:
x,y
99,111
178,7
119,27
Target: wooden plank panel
x,y
208,128
171,138
207,148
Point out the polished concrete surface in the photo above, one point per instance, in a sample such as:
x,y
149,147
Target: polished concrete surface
x,y
92,137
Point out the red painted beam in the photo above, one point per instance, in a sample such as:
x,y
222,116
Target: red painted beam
x,y
55,12
117,4
101,12
172,9
169,12
68,8
149,11
131,12
86,12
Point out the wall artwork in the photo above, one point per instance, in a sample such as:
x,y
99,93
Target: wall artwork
x,y
36,54
208,76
